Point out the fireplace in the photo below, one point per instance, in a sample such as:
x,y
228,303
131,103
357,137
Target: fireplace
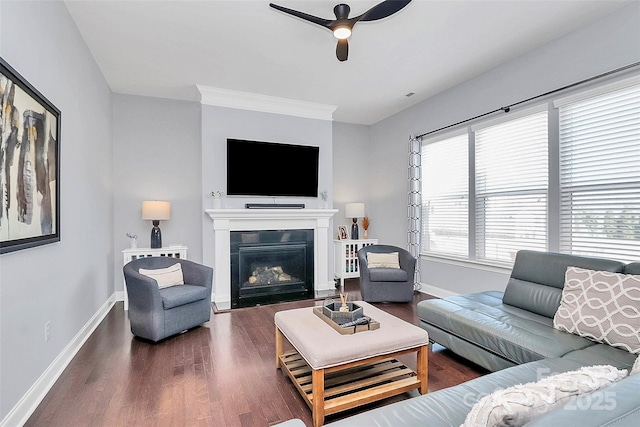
x,y
269,266
226,221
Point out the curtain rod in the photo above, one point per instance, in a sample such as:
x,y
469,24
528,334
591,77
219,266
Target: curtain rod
x,y
507,108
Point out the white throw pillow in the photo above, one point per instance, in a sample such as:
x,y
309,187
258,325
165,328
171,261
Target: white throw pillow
x,y
601,306
165,277
517,405
636,367
377,260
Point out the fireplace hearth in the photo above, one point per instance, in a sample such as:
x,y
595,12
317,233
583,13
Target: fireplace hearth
x,y
270,266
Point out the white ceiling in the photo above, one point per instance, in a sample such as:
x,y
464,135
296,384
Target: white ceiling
x,y
165,48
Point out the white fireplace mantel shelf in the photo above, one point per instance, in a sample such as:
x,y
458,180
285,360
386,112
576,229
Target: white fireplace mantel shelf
x,y
227,220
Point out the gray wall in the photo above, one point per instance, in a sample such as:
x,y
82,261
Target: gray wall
x,y
156,156
351,172
603,45
219,123
66,282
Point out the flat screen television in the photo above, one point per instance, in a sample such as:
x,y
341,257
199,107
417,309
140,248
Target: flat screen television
x,y
256,168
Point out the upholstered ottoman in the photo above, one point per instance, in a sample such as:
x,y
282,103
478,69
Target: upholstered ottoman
x,y
335,372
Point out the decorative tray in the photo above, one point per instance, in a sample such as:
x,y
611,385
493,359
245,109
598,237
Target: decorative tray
x,y
373,325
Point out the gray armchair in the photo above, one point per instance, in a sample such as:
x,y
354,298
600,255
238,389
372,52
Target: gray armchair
x,y
387,284
156,313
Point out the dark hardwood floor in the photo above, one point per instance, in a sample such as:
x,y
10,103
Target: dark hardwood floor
x,y
220,374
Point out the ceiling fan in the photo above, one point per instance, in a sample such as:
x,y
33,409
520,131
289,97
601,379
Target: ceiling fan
x,y
343,25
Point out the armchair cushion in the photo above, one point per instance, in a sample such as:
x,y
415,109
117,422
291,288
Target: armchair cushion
x,y
383,260
175,296
387,274
165,277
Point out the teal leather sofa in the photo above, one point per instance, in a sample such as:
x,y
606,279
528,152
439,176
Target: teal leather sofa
x,y
512,334
498,330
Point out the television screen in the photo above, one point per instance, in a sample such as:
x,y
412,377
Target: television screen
x,y
256,168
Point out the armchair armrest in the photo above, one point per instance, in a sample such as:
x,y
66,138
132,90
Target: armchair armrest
x,y
197,274
143,290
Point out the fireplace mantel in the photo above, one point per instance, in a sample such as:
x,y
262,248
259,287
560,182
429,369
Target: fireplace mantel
x,y
227,220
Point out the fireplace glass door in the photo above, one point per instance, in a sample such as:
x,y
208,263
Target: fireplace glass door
x,y
271,266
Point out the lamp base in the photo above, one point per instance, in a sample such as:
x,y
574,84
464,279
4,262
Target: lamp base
x,y
156,236
354,229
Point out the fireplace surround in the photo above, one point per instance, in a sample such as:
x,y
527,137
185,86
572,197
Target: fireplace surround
x,y
227,220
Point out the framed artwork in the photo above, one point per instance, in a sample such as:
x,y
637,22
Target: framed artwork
x,y
29,164
342,232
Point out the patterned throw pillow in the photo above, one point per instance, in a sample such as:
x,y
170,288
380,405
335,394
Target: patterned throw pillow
x,y
601,306
519,404
165,277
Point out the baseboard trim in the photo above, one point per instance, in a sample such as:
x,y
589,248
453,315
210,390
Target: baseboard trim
x,y
26,406
436,291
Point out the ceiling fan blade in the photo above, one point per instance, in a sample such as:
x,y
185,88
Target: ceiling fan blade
x,y
302,15
342,50
382,10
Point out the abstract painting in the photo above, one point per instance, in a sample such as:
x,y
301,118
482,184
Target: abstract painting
x,y
29,165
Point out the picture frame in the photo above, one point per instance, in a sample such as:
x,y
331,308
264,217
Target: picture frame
x,y
342,232
29,164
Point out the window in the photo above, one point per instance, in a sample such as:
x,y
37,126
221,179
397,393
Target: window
x,y
511,187
600,175
565,179
445,196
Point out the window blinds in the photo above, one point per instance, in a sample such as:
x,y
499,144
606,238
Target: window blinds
x,y
445,196
511,187
600,175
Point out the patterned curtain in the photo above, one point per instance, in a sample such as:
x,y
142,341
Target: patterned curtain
x,y
414,204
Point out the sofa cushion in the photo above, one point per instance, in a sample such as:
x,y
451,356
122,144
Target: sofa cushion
x,y
175,296
448,407
165,277
635,369
616,405
387,275
601,306
512,333
602,354
521,403
383,260
537,279
291,423
632,268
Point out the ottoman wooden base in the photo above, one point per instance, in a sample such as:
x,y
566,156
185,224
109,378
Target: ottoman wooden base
x,y
335,389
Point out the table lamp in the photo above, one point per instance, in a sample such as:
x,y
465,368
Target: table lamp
x,y
355,211
156,211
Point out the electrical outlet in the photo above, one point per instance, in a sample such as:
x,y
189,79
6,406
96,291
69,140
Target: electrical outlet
x,y
47,331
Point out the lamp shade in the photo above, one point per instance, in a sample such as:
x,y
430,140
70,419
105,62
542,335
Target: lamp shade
x,y
156,210
354,210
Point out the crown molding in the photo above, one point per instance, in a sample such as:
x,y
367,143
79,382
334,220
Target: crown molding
x,y
263,103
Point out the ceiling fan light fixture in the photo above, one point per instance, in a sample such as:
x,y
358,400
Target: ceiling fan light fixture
x,y
342,32
343,25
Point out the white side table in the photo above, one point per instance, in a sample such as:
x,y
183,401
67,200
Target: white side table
x,y
131,254
346,261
